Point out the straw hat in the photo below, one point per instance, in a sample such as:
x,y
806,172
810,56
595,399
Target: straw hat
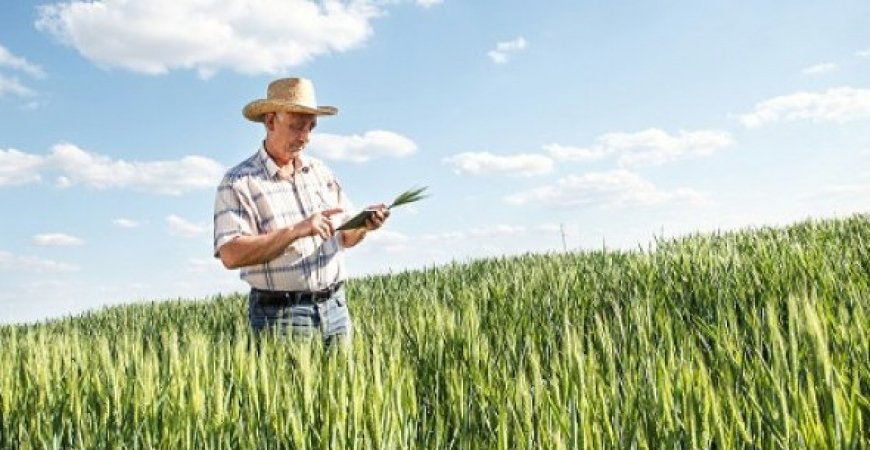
x,y
287,94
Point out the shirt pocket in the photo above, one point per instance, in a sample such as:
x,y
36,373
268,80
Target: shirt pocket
x,y
327,194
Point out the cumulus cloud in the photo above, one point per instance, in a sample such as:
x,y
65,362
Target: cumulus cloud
x,y
834,105
429,3
180,227
570,153
654,146
163,177
649,147
17,167
371,145
125,223
57,240
613,189
504,50
820,69
77,166
10,261
247,36
484,163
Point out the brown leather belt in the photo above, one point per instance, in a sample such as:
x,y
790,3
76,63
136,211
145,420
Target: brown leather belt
x,y
288,298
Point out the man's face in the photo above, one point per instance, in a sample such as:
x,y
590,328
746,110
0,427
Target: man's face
x,y
289,131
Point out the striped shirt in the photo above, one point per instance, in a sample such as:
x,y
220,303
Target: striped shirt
x,y
253,199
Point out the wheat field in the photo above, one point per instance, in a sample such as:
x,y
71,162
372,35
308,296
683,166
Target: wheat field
x,y
749,339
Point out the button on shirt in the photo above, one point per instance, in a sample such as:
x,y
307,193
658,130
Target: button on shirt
x,y
257,196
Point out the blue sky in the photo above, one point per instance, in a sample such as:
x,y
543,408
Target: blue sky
x,y
613,121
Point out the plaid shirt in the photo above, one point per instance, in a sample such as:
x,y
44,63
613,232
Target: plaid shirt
x,y
252,199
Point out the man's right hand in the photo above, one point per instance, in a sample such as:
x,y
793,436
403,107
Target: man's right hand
x,y
320,224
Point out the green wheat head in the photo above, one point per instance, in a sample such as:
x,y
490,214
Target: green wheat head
x,y
409,196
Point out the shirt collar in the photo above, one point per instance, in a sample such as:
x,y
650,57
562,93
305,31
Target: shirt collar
x,y
269,163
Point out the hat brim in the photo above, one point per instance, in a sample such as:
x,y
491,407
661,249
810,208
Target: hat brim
x,y
255,110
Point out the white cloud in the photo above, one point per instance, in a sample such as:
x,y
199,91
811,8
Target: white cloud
x,y
834,105
126,223
483,163
649,147
11,85
504,50
17,167
10,262
863,53
185,228
568,153
654,146
247,36
820,69
613,189
429,3
77,166
57,240
7,59
373,144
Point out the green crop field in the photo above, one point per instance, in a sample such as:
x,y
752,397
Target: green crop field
x,y
750,339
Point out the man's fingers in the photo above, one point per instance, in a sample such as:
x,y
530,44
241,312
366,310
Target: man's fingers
x,y
324,230
376,219
331,212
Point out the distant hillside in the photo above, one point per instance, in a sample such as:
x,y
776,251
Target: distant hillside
x,y
753,338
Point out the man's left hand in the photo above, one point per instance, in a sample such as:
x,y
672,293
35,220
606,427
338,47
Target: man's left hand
x,y
379,215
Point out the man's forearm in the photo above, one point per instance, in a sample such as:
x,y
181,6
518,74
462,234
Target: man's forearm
x,y
260,249
350,238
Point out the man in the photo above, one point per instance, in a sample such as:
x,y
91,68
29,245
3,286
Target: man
x,y
275,218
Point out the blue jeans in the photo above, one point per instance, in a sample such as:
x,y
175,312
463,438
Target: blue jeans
x,y
329,319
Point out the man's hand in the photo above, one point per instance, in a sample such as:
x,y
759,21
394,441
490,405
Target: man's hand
x,y
319,224
376,219
261,248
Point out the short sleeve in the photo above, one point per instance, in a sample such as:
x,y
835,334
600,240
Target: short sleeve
x,y
233,215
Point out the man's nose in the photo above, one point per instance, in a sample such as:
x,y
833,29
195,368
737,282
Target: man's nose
x,y
305,134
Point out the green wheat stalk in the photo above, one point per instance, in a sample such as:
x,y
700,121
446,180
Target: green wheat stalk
x,y
409,196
